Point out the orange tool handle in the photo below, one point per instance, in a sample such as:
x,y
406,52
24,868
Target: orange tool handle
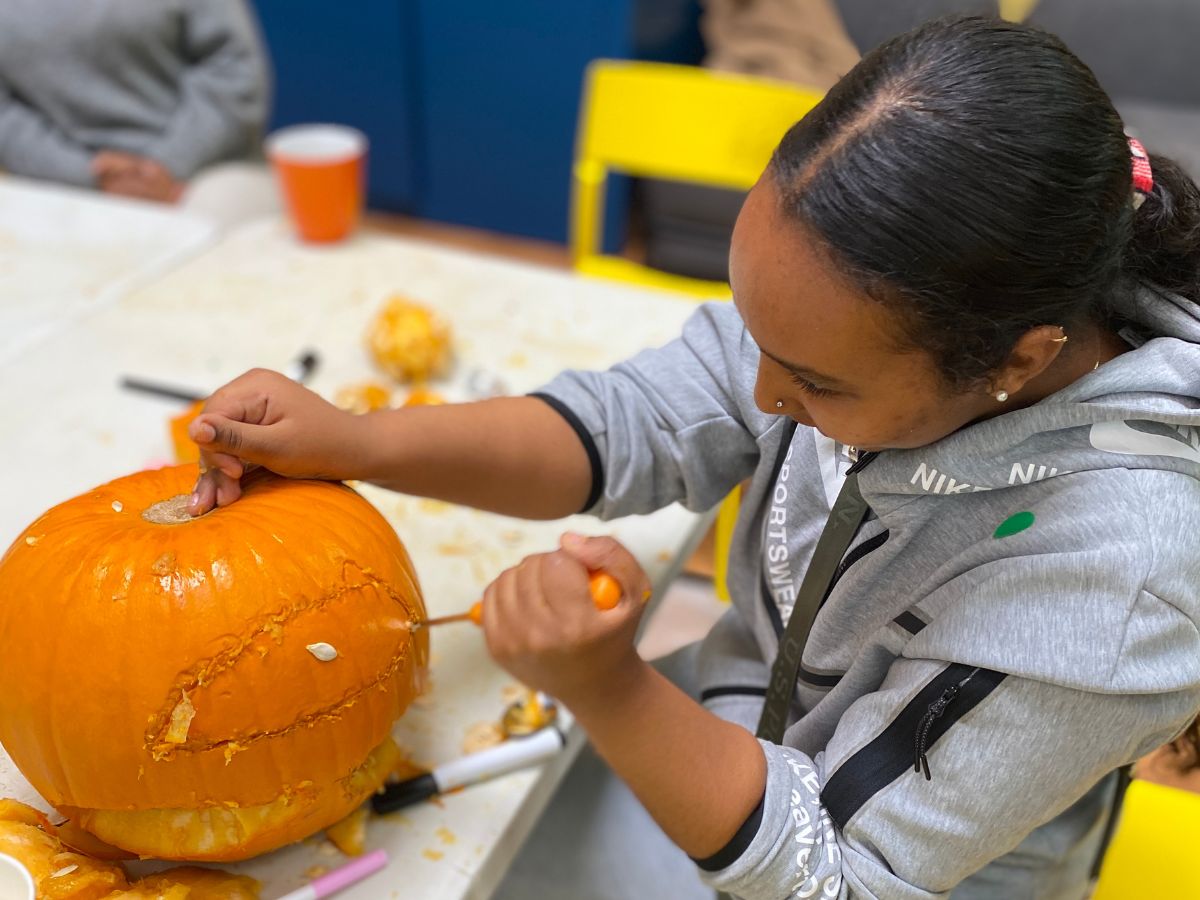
x,y
606,593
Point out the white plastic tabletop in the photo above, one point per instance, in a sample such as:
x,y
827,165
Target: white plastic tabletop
x,y
65,252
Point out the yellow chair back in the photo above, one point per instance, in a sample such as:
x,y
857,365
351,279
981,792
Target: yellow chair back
x,y
1155,851
679,123
1016,10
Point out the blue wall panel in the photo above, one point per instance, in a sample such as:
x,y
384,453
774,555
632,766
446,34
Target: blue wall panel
x,y
352,64
500,86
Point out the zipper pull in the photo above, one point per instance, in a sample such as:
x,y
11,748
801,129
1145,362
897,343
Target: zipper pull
x,y
932,714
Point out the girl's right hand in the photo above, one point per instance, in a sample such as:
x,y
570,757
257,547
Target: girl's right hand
x,y
264,418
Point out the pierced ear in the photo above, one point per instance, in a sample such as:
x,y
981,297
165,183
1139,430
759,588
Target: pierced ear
x,y
1031,355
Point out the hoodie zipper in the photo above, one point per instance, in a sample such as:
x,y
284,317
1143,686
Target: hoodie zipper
x,y
861,460
870,544
829,680
890,753
932,713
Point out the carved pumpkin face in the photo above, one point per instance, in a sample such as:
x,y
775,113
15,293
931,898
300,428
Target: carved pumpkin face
x,y
207,688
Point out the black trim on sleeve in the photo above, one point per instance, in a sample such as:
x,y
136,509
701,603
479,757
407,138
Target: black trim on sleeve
x,y
738,844
585,438
732,690
944,699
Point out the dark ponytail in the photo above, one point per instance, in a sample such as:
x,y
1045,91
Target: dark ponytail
x,y
973,176
1165,248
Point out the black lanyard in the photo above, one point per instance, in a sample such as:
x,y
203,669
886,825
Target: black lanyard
x,y
846,517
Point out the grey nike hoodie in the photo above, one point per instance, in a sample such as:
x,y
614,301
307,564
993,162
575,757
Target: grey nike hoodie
x,y
1016,619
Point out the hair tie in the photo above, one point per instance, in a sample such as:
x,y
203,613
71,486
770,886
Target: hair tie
x,y
1143,177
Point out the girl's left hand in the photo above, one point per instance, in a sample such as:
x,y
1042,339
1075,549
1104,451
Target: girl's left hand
x,y
543,628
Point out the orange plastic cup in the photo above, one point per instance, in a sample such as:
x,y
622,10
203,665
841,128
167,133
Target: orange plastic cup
x,y
322,171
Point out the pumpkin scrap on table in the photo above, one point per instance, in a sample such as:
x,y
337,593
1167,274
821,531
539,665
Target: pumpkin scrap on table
x,y
350,834
159,685
363,398
409,341
190,883
185,448
423,396
59,872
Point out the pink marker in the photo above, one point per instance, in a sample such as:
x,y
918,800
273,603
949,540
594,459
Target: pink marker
x,y
341,877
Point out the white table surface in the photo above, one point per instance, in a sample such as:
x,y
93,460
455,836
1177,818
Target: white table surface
x,y
66,252
258,298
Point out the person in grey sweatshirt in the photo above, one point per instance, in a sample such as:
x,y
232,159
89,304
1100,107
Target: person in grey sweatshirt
x,y
131,96
961,374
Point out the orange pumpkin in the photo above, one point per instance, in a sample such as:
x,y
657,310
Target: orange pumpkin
x,y
207,688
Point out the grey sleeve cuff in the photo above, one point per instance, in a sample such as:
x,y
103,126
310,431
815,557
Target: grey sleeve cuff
x,y
788,846
201,135
666,424
738,844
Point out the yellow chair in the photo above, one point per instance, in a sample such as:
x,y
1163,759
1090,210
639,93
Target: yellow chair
x,y
1016,10
678,123
1154,851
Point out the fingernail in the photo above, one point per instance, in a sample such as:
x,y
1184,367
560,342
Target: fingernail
x,y
571,539
195,501
204,433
